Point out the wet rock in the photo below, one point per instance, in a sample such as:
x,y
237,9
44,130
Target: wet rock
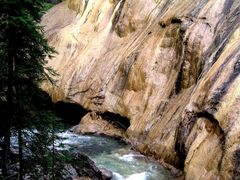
x,y
69,172
86,169
106,174
74,129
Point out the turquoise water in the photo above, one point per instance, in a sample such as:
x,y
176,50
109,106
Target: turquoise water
x,y
115,156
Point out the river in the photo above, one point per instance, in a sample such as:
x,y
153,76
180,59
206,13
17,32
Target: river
x,y
116,156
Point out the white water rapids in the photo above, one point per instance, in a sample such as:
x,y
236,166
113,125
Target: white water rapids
x,y
115,156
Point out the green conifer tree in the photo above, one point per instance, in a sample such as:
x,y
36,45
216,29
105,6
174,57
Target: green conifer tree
x,y
23,52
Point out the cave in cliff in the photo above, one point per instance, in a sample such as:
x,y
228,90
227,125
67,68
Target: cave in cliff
x,y
120,121
70,113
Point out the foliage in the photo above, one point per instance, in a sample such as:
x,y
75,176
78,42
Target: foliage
x,y
23,52
46,7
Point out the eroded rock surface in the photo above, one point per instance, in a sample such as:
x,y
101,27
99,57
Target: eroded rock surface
x,y
170,66
95,124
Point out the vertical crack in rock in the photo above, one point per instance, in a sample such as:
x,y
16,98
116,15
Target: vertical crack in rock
x,y
124,70
117,15
183,78
183,130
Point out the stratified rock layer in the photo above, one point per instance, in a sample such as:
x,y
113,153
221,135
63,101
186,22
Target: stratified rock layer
x,y
170,66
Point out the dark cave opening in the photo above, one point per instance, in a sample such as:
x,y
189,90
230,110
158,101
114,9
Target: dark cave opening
x,y
207,115
211,118
70,113
117,119
176,20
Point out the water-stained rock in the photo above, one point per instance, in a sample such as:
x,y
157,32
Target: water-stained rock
x,y
171,67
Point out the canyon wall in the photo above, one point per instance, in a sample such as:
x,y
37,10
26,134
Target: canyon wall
x,y
170,67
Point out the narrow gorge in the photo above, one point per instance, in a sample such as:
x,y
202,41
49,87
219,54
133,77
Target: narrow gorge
x,y
161,74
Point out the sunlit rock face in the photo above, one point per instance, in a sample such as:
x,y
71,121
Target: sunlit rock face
x,y
170,66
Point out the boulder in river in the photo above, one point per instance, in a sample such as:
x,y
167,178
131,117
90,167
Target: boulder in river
x,y
86,169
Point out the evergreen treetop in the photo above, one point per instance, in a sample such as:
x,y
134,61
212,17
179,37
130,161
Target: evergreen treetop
x,y
23,52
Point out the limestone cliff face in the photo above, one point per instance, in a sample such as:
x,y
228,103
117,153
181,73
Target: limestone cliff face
x,y
170,66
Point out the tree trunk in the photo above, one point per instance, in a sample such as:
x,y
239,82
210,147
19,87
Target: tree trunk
x,y
10,111
53,152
